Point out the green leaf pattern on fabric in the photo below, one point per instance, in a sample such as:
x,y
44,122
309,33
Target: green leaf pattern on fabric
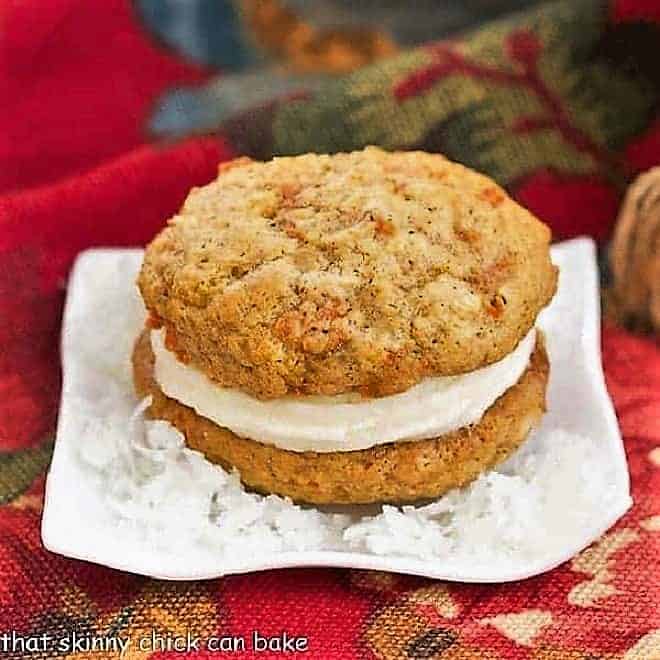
x,y
19,469
508,100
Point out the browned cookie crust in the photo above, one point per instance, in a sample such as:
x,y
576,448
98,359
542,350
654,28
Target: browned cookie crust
x,y
397,472
364,271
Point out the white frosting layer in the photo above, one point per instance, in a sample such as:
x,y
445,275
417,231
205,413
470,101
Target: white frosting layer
x,y
325,424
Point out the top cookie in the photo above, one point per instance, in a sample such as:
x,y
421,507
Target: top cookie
x,y
364,272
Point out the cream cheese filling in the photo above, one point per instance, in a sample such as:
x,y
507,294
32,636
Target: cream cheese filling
x,y
431,408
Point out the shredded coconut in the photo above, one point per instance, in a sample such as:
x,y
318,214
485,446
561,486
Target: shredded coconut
x,y
535,502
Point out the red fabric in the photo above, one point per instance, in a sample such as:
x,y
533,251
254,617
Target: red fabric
x,y
77,79
76,170
644,152
555,198
636,10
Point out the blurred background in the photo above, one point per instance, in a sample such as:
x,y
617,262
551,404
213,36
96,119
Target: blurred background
x,y
266,48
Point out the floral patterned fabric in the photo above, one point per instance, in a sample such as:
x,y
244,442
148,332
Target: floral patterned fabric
x,y
560,104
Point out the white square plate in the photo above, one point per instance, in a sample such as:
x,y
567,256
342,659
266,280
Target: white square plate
x,y
563,489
